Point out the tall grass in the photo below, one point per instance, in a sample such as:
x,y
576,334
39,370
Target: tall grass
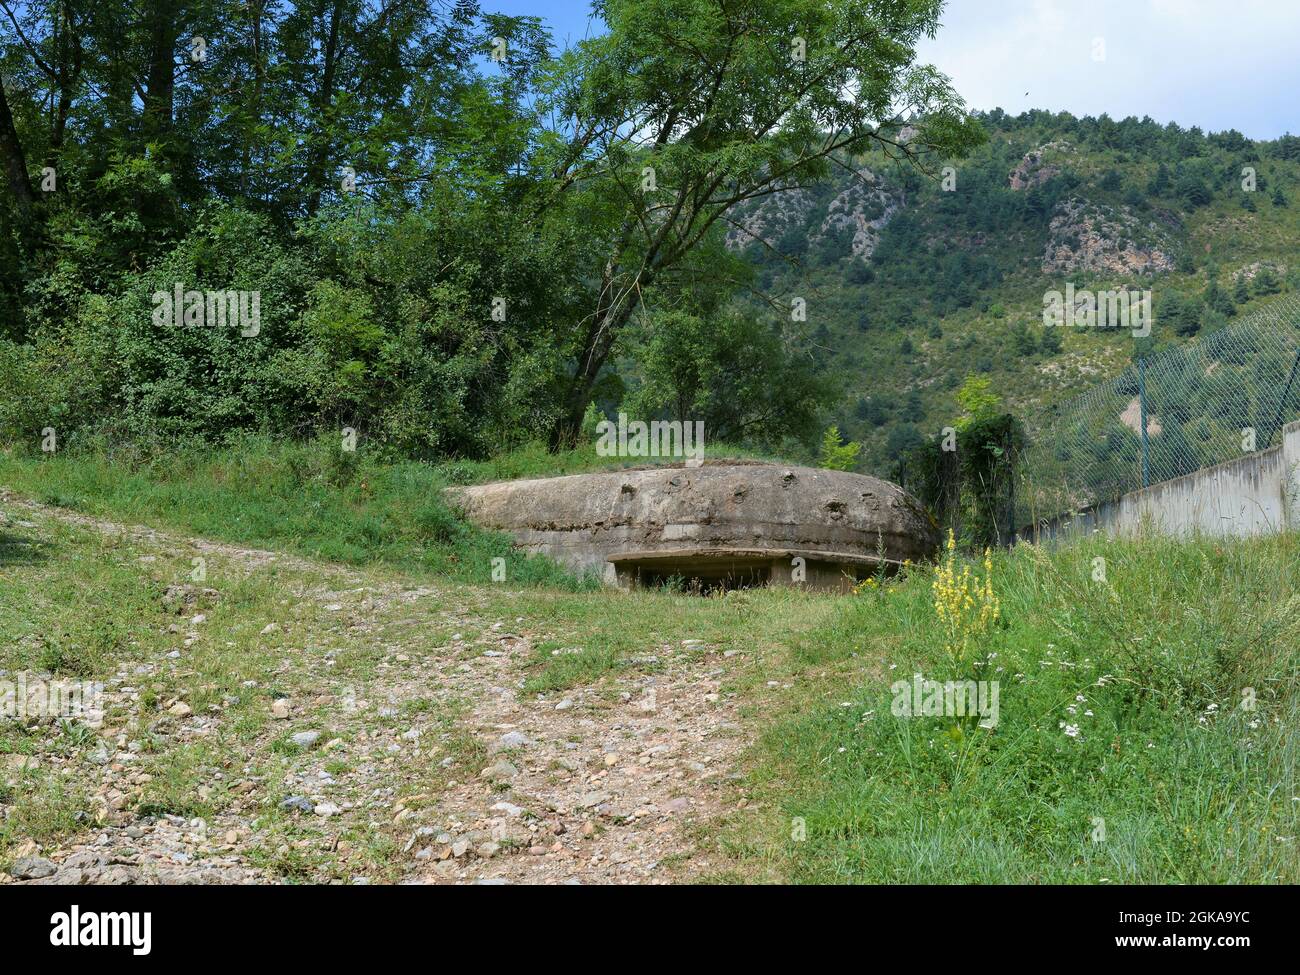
x,y
313,498
1146,730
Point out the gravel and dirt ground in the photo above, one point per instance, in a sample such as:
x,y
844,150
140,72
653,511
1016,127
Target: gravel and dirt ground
x,y
281,719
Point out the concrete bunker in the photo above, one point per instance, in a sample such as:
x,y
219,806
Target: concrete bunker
x,y
725,524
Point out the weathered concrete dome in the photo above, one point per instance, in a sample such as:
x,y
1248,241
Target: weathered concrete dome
x,y
729,523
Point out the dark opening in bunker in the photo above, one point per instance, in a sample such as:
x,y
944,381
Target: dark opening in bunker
x,y
704,579
706,571
695,571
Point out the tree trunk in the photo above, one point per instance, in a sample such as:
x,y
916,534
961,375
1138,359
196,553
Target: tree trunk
x,y
67,75
596,347
161,84
15,162
255,11
316,168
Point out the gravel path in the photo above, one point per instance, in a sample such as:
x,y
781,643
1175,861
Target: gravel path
x,y
614,782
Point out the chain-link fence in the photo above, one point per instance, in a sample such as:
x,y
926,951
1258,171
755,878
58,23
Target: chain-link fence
x,y
1216,398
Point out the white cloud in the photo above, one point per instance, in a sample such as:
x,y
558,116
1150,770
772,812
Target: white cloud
x,y
1213,63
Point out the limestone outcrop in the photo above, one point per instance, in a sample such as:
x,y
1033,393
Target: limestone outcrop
x,y
1099,239
859,212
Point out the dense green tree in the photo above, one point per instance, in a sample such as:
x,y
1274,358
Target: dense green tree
x,y
730,370
902,438
716,105
836,455
468,212
1023,341
1160,182
872,410
1179,312
1216,299
1266,282
1191,189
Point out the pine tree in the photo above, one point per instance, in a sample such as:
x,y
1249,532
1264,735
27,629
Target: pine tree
x,y
1266,282
837,455
1159,184
1217,299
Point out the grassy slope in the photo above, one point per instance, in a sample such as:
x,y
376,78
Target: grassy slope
x,y
309,498
1190,786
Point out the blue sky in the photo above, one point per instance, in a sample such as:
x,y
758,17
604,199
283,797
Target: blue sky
x,y
1214,63
566,18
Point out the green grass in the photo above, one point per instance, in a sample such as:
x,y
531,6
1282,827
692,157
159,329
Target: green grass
x,y
308,498
1170,779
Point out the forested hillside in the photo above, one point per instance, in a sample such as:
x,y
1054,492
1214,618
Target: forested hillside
x,y
912,282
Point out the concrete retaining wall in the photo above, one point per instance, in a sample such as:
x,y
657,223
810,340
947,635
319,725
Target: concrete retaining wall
x,y
1252,495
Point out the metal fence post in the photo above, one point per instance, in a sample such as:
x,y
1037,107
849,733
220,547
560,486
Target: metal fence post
x,y
1011,492
1281,403
1142,408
